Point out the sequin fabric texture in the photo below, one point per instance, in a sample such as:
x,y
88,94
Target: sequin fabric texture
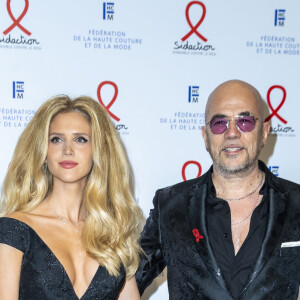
x,y
42,275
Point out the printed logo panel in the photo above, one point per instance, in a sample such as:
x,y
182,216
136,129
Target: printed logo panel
x,y
194,41
278,92
103,93
15,116
185,120
10,38
102,38
277,43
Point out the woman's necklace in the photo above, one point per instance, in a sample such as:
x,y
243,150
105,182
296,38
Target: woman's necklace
x,y
74,225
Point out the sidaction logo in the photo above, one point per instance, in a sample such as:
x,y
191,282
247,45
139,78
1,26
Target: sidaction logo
x,y
193,163
120,127
9,38
199,44
280,129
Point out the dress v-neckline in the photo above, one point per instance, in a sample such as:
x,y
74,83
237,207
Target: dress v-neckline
x,y
60,264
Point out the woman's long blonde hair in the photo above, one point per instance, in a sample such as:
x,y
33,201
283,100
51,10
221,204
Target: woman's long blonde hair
x,y
111,227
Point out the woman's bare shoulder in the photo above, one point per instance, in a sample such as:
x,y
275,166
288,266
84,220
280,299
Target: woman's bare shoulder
x,y
24,217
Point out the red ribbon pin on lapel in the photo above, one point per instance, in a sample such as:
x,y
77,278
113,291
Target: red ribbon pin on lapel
x,y
197,235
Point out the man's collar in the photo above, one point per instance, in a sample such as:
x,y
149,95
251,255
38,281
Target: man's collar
x,y
269,178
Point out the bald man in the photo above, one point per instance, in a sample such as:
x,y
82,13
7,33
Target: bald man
x,y
233,233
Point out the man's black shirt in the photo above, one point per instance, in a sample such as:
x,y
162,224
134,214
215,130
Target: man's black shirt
x,y
234,268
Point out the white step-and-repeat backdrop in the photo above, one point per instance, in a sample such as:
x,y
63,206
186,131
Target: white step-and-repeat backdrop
x,y
152,64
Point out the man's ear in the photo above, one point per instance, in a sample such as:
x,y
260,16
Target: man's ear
x,y
204,135
265,132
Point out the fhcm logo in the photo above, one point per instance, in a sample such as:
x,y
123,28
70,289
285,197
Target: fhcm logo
x,y
193,94
18,89
108,10
279,17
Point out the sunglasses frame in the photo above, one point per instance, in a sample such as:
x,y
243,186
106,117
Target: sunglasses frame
x,y
231,119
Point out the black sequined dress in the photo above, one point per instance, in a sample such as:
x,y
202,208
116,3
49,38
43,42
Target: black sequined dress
x,y
43,277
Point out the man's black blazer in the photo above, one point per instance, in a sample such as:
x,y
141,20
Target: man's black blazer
x,y
192,270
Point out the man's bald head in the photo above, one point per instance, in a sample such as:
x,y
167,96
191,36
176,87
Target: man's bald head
x,y
234,89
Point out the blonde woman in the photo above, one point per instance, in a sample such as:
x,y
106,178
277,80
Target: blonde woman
x,y
69,222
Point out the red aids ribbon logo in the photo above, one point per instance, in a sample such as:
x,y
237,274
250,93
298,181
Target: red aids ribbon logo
x,y
16,22
275,111
107,107
194,28
197,235
188,163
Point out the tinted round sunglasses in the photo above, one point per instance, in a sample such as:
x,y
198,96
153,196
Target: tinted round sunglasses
x,y
219,125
